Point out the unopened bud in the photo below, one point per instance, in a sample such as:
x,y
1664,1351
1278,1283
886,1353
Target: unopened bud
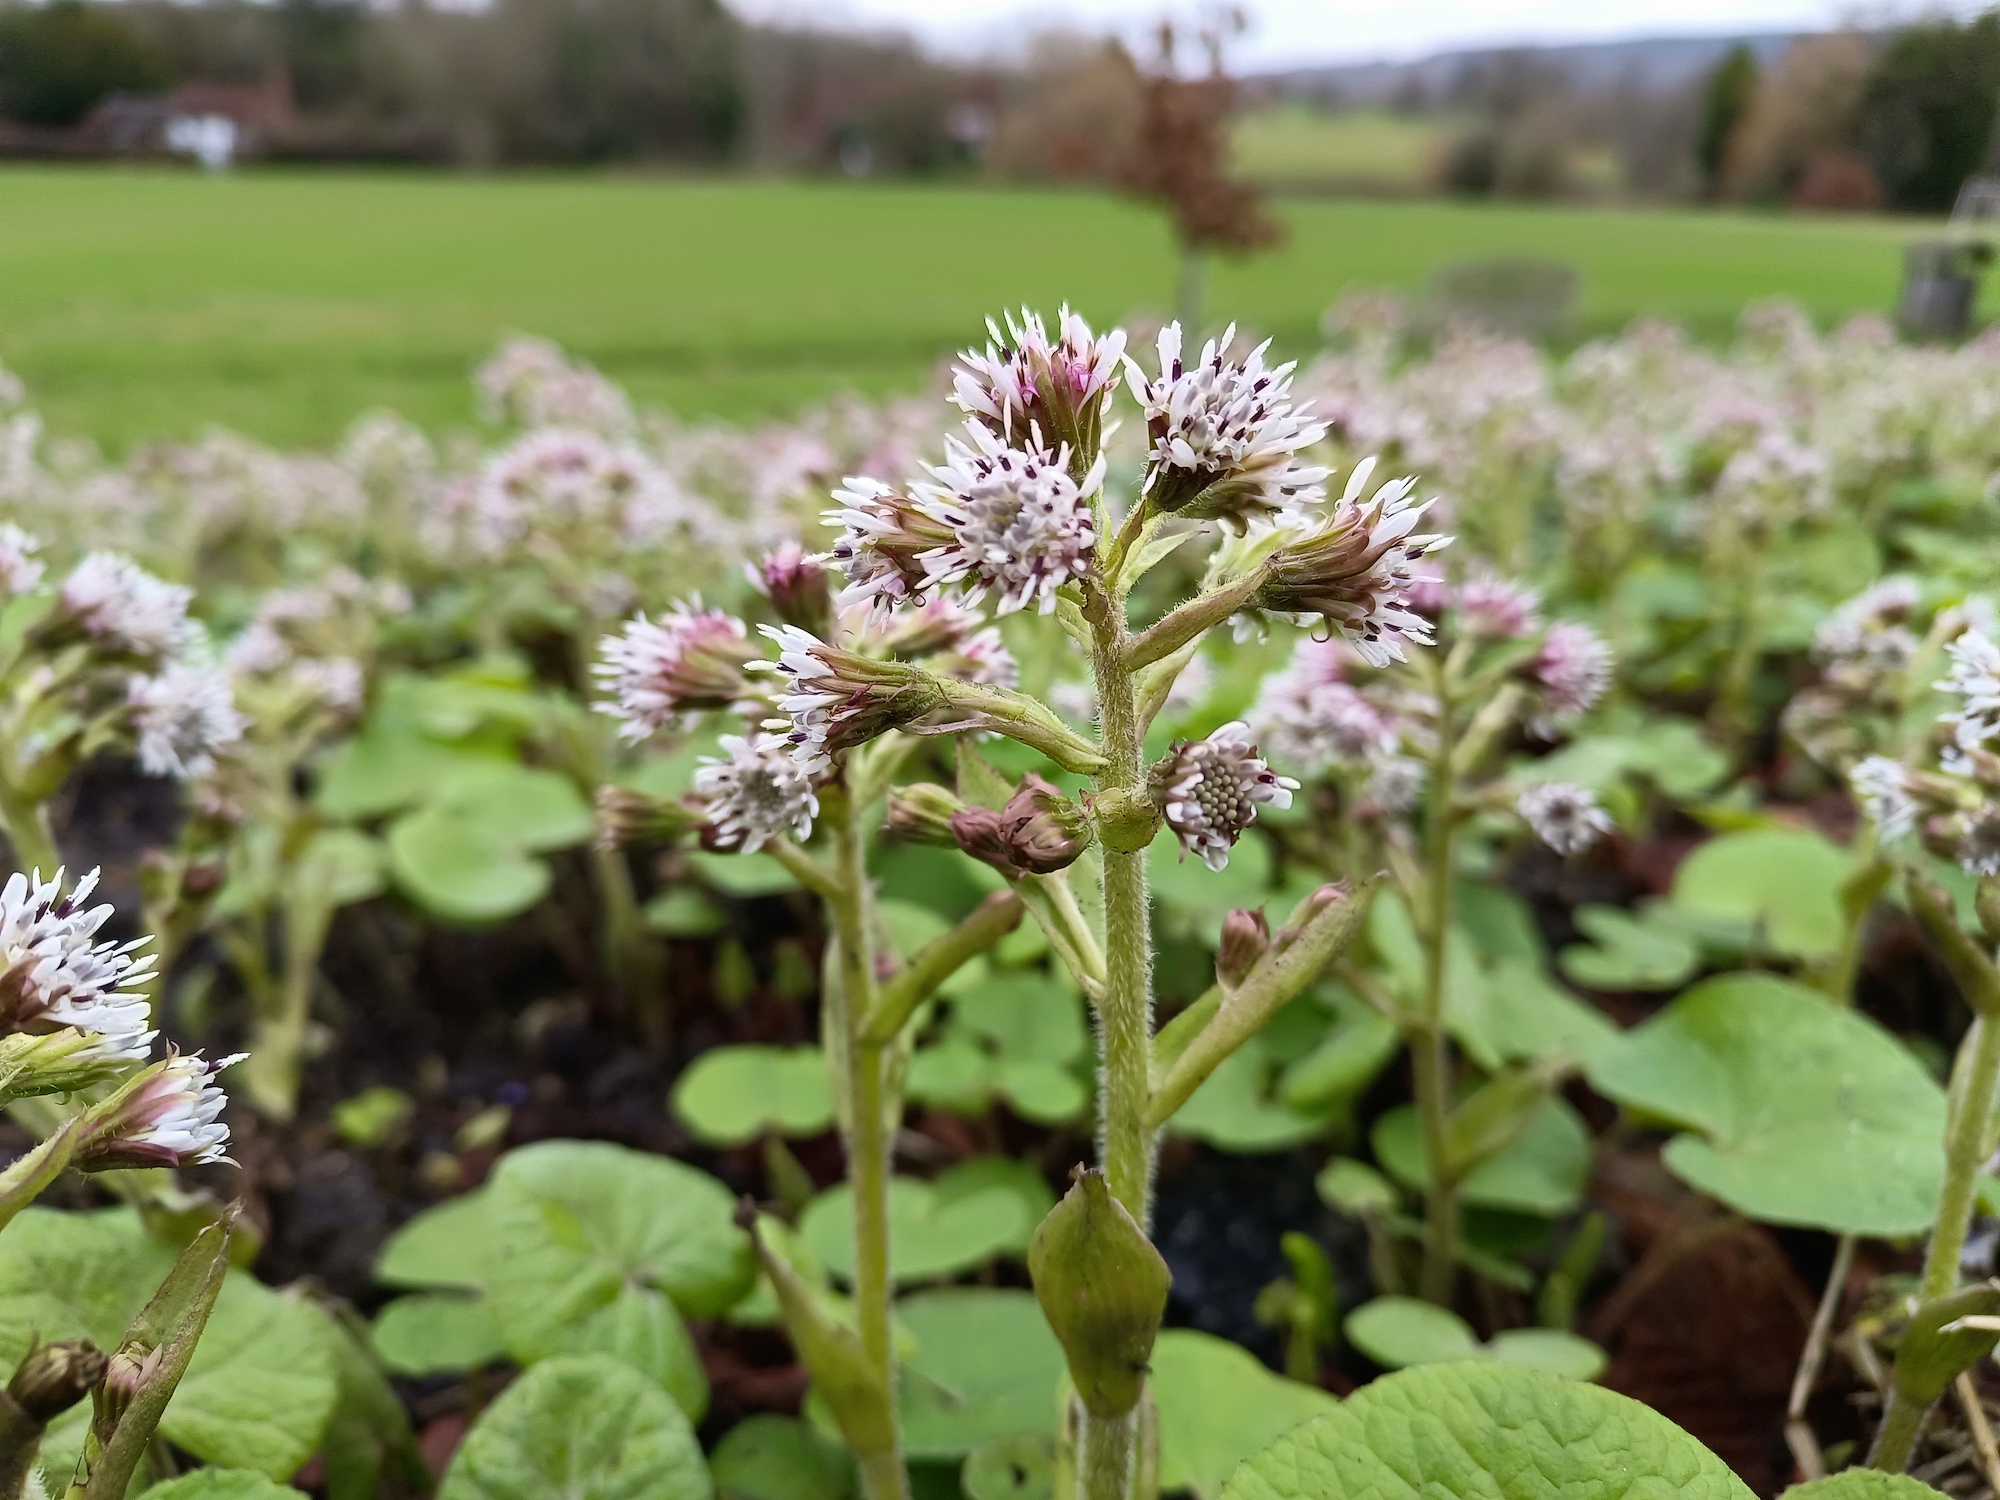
x,y
626,817
1245,936
1333,893
795,583
920,812
51,1378
977,830
126,1374
1103,1288
1044,831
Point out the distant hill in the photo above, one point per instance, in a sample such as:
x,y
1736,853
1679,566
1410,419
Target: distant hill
x,y
1651,64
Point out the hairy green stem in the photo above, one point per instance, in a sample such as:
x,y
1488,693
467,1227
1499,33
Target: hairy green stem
x,y
1430,1055
934,963
1125,1013
1106,1450
867,1135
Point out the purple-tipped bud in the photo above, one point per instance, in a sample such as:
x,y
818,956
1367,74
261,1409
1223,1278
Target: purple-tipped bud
x,y
795,582
1043,830
626,817
977,831
1245,936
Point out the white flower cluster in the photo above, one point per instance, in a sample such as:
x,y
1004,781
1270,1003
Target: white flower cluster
x,y
755,792
54,973
1209,791
1563,816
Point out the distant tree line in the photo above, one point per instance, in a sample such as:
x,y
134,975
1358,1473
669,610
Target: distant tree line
x,y
1852,121
515,81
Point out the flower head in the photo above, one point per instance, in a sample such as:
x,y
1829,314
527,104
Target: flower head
x,y
19,571
125,609
1570,673
167,1116
835,699
183,715
658,674
1491,608
885,536
1356,570
1565,817
1025,384
1021,526
1979,844
753,793
1224,436
1975,681
53,975
795,583
1882,787
1209,791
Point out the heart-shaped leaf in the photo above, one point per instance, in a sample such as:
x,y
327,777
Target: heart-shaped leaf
x,y
1484,1431
437,1332
984,1366
1784,880
779,1458
1218,1405
1030,1016
606,1248
459,869
223,1484
1629,952
969,1215
1542,1171
1799,1112
443,1246
1397,1332
579,1429
731,1095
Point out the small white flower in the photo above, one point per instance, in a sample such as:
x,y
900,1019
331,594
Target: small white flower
x,y
1008,388
182,716
337,681
127,609
1565,817
1979,845
1492,608
1224,436
1357,570
19,571
659,674
1975,681
754,793
1882,787
838,699
168,1116
1021,527
1572,670
53,975
1209,791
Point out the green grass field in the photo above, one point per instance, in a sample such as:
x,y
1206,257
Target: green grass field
x,y
143,303
1294,145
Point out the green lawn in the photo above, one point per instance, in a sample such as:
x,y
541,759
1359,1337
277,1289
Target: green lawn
x,y
1293,144
142,303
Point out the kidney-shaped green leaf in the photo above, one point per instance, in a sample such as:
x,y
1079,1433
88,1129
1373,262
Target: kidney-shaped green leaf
x,y
435,1332
1785,880
1485,1432
460,870
223,1484
1862,1484
731,1095
984,1366
1797,1112
1397,1332
1541,1171
579,1429
444,1246
1218,1406
605,1249
978,1210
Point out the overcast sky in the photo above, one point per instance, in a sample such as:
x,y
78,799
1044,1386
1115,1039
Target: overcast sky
x,y
1291,32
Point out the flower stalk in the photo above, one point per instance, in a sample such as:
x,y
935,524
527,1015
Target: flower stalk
x,y
1430,1050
